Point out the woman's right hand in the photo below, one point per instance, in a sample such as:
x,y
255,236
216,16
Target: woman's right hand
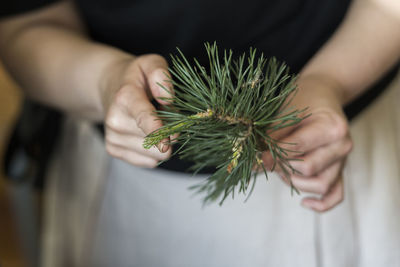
x,y
50,55
126,90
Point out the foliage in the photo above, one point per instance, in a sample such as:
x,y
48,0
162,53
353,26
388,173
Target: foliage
x,y
225,116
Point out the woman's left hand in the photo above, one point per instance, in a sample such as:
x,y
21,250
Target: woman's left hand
x,y
323,140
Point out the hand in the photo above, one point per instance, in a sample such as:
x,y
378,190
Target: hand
x,y
129,86
324,140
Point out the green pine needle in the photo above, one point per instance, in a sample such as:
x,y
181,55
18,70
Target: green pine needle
x,y
224,117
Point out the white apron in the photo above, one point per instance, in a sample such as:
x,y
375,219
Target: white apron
x,y
101,211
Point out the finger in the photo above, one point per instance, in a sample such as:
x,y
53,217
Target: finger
x,y
282,133
268,160
119,121
134,143
270,163
286,131
155,68
319,159
160,85
301,138
131,157
319,184
136,103
315,134
328,201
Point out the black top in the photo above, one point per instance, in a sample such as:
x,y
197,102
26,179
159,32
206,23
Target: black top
x,y
15,7
291,30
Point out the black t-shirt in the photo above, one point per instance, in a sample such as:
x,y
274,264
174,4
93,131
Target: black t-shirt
x,y
291,30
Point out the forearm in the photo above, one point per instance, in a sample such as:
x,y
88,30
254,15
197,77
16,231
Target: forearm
x,y
364,47
57,64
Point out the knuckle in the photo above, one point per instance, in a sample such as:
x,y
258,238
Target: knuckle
x,y
155,57
148,60
109,140
141,119
327,206
324,207
340,129
348,146
308,168
113,121
298,146
323,188
337,199
122,95
111,150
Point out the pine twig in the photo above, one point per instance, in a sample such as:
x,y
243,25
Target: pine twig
x,y
224,117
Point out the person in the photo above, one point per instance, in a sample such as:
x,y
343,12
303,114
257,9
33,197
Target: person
x,y
101,62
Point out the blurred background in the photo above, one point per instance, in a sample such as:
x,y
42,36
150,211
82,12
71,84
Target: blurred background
x,y
13,251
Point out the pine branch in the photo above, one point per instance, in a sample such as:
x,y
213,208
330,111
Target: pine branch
x,y
225,117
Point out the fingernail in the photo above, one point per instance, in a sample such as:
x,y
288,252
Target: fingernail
x,y
163,147
160,146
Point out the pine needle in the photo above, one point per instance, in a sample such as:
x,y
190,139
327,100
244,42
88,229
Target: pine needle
x,y
228,112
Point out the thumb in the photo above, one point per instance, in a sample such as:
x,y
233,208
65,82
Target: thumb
x,y
160,85
133,101
158,78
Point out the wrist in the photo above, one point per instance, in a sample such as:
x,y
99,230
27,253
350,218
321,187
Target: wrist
x,y
331,86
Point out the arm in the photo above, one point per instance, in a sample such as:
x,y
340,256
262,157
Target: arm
x,y
50,55
364,47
